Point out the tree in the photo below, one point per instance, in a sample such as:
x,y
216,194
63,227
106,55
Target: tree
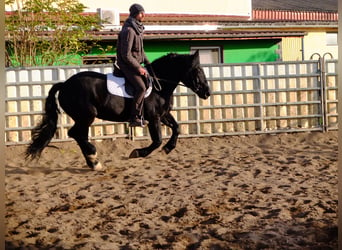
x,y
47,32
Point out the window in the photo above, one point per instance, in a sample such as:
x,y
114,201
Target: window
x,y
209,55
331,38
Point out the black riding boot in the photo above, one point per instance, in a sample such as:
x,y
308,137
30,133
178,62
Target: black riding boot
x,y
136,119
137,105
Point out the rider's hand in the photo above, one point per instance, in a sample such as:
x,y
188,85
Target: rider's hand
x,y
142,71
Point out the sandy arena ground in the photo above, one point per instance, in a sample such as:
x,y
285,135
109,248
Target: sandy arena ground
x,y
233,192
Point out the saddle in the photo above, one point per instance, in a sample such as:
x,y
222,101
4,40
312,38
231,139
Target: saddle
x,y
128,87
117,84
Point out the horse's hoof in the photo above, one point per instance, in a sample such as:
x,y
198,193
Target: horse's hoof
x,y
98,167
166,150
134,154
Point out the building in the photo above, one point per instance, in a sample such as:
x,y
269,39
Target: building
x,y
259,31
223,31
318,19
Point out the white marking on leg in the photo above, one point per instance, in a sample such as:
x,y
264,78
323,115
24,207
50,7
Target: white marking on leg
x,y
97,165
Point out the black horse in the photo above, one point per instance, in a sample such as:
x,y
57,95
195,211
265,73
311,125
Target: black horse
x,y
84,96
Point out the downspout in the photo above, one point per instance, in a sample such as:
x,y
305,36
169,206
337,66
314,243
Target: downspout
x,y
302,49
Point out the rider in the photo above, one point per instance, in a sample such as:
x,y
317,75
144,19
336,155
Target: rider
x,y
130,57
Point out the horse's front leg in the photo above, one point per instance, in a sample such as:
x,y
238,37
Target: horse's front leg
x,y
154,129
170,121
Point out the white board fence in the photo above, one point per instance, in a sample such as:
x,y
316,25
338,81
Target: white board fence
x,y
246,99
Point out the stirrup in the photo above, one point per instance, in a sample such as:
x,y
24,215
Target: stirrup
x,y
138,123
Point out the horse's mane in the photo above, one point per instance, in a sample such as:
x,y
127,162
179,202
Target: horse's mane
x,y
166,57
172,57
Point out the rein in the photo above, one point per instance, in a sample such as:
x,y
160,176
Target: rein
x,y
157,79
157,86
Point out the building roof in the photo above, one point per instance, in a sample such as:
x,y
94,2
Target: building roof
x,y
205,35
297,5
257,15
270,20
294,16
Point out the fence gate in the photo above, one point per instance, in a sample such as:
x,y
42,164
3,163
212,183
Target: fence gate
x,y
330,99
249,98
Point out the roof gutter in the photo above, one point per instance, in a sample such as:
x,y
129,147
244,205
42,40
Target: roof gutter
x,y
183,35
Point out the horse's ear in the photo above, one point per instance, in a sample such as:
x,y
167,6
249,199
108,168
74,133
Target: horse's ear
x,y
196,59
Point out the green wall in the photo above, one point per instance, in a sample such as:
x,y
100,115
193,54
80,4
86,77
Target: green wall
x,y
234,51
156,49
246,51
237,51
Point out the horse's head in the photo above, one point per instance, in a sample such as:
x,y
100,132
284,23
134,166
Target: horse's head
x,y
174,68
195,78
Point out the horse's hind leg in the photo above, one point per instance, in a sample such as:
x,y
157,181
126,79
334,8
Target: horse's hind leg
x,y
80,133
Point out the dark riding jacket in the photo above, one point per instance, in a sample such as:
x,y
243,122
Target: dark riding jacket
x,y
130,48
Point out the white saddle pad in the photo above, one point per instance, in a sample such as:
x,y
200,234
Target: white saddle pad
x,y
116,86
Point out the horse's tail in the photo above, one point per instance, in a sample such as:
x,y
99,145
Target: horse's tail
x,y
42,134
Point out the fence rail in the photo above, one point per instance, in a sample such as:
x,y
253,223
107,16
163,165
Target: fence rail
x,y
246,99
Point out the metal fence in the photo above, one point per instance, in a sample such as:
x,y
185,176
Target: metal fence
x,y
246,99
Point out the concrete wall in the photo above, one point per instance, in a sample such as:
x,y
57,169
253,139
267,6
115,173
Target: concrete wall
x,y
316,42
